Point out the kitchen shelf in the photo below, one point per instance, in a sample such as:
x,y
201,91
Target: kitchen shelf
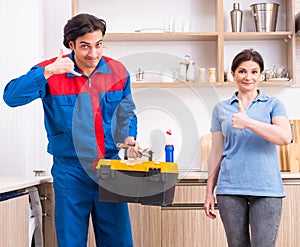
x,y
206,84
245,36
211,44
169,84
164,36
196,36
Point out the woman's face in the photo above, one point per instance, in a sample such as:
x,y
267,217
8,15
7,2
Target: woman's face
x,y
247,76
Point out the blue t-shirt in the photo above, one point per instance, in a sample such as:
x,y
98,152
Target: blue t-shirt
x,y
250,164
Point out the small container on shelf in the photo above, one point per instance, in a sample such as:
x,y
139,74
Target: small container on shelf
x,y
202,75
139,75
190,75
236,16
212,75
187,70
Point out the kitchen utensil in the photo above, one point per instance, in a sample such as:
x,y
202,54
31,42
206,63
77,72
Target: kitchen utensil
x,y
139,75
236,16
187,69
265,16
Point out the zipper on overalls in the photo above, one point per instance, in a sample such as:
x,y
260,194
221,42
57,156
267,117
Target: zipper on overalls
x,y
89,81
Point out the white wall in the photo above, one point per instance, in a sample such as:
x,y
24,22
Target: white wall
x,y
21,46
56,13
24,35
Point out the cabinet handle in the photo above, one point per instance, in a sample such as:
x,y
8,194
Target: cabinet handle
x,y
44,214
44,198
187,182
198,206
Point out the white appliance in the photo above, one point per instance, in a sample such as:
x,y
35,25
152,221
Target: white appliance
x,y
35,218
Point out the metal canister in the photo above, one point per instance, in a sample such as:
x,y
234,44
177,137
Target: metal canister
x,y
139,75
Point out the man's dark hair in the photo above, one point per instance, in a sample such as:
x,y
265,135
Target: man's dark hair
x,y
80,25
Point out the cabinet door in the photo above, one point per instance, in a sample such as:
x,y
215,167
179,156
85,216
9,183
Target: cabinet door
x,y
14,223
190,193
185,223
146,225
189,226
289,229
47,197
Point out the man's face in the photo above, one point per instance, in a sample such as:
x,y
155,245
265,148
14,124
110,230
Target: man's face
x,y
88,51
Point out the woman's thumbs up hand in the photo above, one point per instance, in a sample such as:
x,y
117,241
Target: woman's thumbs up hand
x,y
240,119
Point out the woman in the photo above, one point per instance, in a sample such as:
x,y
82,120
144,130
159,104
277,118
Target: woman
x,y
243,162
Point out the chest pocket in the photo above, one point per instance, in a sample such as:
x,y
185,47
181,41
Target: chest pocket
x,y
64,107
111,102
114,96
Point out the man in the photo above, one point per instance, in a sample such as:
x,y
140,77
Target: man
x,y
88,109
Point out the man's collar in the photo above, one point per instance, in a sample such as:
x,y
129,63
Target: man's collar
x,y
102,66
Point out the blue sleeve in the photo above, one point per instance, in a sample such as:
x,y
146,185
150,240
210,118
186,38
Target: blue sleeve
x,y
215,119
126,114
28,87
278,109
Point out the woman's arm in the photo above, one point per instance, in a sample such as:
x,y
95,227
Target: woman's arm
x,y
279,132
214,162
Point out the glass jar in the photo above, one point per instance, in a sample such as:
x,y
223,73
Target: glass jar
x,y
190,75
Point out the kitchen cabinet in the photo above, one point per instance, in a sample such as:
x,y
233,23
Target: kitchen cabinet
x,y
15,211
185,223
145,221
190,227
210,42
289,224
14,226
47,200
145,225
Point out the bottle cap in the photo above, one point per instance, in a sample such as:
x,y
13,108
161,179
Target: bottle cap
x,y
236,6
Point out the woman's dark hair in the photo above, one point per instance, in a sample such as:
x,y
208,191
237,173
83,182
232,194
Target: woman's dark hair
x,y
80,25
247,55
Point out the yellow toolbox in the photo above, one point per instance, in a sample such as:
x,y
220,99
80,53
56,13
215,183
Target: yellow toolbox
x,y
145,182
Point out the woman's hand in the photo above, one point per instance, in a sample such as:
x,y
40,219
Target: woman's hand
x,y
209,206
240,119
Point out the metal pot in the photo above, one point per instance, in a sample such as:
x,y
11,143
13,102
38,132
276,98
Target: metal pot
x,y
265,16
